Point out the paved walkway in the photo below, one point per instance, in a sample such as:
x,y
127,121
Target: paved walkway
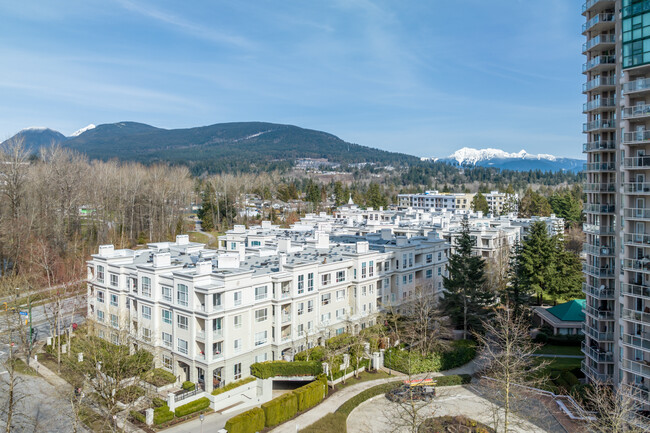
x,y
53,378
337,399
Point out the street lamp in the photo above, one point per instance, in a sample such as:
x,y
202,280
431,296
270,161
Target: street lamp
x,y
201,417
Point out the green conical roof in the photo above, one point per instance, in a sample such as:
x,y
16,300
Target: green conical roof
x,y
569,311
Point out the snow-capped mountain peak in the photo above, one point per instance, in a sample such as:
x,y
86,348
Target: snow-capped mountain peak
x,y
470,156
34,128
82,130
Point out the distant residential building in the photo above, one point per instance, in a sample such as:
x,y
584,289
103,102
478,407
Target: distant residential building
x,y
498,201
436,200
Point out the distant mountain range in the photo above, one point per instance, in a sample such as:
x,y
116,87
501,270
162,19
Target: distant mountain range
x,y
520,161
258,146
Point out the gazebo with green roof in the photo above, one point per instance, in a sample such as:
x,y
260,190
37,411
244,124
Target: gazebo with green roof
x,y
565,319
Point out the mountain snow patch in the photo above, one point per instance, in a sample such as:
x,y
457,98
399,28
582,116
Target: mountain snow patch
x,y
470,156
82,130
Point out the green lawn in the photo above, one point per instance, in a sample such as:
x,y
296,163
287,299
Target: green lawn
x,y
363,377
561,363
551,349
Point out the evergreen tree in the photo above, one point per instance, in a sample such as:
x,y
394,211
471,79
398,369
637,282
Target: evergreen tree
x,y
375,197
517,294
480,204
207,213
535,267
533,203
339,194
466,300
568,277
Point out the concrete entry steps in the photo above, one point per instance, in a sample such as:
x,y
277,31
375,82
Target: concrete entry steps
x,y
229,409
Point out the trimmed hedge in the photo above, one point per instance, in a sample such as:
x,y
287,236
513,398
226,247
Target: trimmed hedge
x,y
159,377
138,416
559,340
264,370
341,373
233,385
462,352
162,414
193,406
331,423
280,409
355,401
316,353
453,379
188,386
250,421
310,395
158,402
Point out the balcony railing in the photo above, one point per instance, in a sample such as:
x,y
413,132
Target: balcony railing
x,y
638,316
217,333
598,271
595,250
597,335
599,208
635,290
598,124
218,307
599,103
599,145
598,229
637,213
599,166
200,335
597,292
637,188
637,265
636,238
598,82
636,341
597,354
641,110
638,367
600,18
600,187
638,85
591,3
286,318
598,61
636,137
599,313
637,161
594,374
600,39
286,338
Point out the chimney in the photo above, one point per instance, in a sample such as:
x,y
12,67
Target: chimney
x,y
282,260
182,239
228,261
161,260
362,247
238,228
106,250
401,241
284,245
204,267
266,224
386,234
322,240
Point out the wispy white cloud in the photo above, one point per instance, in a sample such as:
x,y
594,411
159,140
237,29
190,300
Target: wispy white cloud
x,y
189,27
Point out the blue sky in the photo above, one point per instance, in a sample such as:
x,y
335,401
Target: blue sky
x,y
421,77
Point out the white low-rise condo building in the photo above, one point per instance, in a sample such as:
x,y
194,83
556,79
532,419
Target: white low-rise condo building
x,y
266,294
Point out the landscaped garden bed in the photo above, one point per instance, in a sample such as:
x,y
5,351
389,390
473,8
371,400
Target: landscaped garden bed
x,y
453,424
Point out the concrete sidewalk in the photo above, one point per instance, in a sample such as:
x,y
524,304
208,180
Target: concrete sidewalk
x,y
53,378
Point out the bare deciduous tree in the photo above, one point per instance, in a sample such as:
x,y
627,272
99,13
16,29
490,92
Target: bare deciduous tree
x,y
614,408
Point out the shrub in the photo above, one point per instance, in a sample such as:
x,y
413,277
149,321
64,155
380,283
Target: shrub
x,y
457,423
462,352
158,402
339,341
280,409
140,417
566,340
541,338
250,421
129,394
264,370
188,386
331,423
341,373
355,401
162,414
309,395
569,378
193,406
316,353
453,379
233,385
159,377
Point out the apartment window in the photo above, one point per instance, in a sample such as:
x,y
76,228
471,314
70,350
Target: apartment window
x,y
364,308
167,361
310,306
387,266
100,296
429,258
182,321
146,335
340,276
182,346
355,273
114,323
404,262
439,256
237,371
114,301
301,329
182,295
325,299
233,245
167,293
237,298
260,338
115,339
260,315
237,321
146,312
410,260
167,339
301,308
325,279
100,273
301,284
325,317
340,313
113,279
371,268
255,243
100,316
439,270
262,357
404,279
310,325
340,294
363,270
340,331
310,281
146,287
429,273
363,290
410,278
101,333
260,293
167,316
237,345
